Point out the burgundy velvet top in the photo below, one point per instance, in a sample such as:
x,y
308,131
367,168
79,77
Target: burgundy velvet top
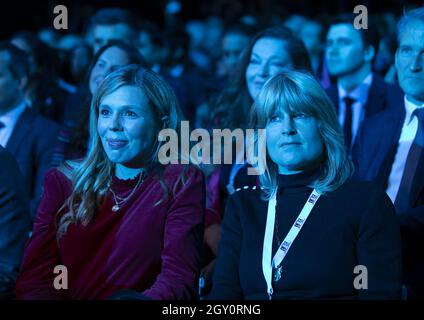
x,y
154,250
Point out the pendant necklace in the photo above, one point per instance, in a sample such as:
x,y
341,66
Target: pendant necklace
x,y
119,201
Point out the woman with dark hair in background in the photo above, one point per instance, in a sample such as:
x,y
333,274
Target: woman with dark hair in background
x,y
119,219
73,138
270,52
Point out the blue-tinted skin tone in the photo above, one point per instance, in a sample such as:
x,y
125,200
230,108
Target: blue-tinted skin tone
x,y
293,141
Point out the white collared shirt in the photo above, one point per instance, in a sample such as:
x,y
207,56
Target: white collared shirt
x,y
9,120
409,130
360,94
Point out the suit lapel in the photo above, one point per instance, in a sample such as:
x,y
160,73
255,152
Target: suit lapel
x,y
375,100
386,141
417,183
21,130
333,94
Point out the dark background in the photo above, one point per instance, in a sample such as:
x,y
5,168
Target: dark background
x,y
16,15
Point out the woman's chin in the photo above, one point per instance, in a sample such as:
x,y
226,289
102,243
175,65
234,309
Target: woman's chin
x,y
115,158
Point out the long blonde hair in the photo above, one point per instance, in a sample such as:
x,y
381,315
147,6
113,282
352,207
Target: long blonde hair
x,y
91,176
297,91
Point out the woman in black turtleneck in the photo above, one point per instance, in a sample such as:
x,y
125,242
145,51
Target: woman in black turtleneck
x,y
349,245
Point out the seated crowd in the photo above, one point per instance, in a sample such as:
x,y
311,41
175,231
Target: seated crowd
x,y
87,181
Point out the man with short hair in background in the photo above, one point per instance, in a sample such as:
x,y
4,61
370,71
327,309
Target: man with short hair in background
x,y
359,92
111,24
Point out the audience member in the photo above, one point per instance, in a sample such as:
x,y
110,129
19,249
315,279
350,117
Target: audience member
x,y
124,225
308,253
73,137
15,222
23,132
390,149
359,92
110,24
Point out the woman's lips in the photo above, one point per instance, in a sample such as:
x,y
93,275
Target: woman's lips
x,y
286,144
117,144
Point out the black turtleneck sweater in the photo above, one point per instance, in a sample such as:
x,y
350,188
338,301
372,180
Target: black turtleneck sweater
x,y
353,225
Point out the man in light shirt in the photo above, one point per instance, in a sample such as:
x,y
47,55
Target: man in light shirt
x,y
390,149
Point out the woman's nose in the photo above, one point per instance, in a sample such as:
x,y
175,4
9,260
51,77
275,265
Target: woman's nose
x,y
288,127
263,70
115,123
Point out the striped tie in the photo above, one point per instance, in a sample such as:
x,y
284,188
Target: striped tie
x,y
415,155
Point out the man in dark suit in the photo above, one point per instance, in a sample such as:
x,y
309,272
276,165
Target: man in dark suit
x,y
390,149
15,222
359,92
27,135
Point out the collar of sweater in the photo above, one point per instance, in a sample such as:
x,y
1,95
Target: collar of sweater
x,y
302,179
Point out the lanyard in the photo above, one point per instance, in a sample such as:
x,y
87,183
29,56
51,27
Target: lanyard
x,y
267,264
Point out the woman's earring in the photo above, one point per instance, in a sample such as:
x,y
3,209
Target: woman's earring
x,y
165,120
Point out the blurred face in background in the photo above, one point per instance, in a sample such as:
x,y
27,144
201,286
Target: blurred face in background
x,y
196,30
147,48
102,34
233,45
24,46
345,51
214,28
311,35
268,58
80,61
295,22
111,59
11,91
409,61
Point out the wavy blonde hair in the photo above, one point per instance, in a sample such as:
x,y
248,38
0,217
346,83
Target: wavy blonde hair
x,y
296,91
91,176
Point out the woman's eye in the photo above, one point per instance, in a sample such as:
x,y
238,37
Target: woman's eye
x,y
100,64
254,61
406,51
274,118
300,115
104,112
130,114
278,65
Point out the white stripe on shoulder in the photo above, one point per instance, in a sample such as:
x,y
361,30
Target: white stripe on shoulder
x,y
247,187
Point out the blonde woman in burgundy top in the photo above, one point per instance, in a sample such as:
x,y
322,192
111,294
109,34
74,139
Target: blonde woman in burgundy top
x,y
124,225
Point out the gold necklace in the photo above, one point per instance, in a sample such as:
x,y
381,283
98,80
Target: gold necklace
x,y
119,200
